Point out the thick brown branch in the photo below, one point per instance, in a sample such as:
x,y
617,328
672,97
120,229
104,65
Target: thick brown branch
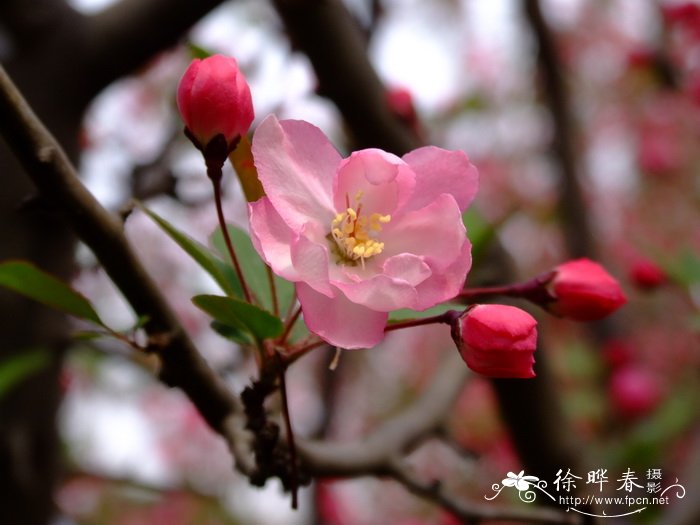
x,y
326,32
57,181
127,34
572,209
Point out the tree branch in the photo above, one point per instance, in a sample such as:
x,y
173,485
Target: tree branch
x,y
327,34
130,32
57,181
572,209
395,436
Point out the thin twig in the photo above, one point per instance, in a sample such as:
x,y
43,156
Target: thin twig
x,y
273,291
289,324
294,469
227,238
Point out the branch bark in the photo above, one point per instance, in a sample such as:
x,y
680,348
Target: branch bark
x,y
572,209
327,34
57,181
127,34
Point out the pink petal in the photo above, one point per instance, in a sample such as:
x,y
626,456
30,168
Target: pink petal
x,y
380,292
310,261
272,238
340,322
441,171
383,179
435,232
407,267
444,285
296,164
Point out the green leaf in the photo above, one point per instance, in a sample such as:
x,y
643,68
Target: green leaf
x,y
218,269
232,333
685,269
28,280
240,315
406,314
254,268
17,368
197,51
479,231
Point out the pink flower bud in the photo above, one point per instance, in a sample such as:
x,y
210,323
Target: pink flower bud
x,y
646,274
582,290
634,392
400,101
214,99
497,340
617,352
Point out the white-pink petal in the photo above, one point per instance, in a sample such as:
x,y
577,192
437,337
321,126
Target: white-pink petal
x,y
310,261
446,284
272,238
442,171
435,232
408,267
339,321
383,180
296,164
380,292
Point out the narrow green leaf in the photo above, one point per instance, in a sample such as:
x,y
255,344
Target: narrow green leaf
x,y
479,231
17,368
218,269
28,280
406,314
232,333
253,268
197,51
238,314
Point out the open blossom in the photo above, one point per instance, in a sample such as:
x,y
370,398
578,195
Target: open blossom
x,y
360,236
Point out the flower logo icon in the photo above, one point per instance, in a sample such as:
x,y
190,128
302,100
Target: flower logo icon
x,y
519,481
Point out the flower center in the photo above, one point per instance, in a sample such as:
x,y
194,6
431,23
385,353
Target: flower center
x,y
355,234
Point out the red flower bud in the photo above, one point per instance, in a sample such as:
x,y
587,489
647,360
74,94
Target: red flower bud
x,y
214,98
634,392
497,340
582,290
618,352
400,102
645,274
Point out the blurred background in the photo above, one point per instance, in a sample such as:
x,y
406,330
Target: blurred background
x,y
583,118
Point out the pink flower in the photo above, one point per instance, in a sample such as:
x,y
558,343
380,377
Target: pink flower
x,y
496,340
584,291
214,98
646,274
360,236
634,391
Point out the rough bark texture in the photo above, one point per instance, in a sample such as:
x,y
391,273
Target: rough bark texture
x,y
59,59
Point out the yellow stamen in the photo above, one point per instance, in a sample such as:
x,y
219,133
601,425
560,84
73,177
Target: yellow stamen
x,y
355,234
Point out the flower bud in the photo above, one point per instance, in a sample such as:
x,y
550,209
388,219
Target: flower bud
x,y
582,290
214,99
634,391
646,274
496,340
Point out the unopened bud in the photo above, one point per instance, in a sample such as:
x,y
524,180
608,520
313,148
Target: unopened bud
x,y
496,340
